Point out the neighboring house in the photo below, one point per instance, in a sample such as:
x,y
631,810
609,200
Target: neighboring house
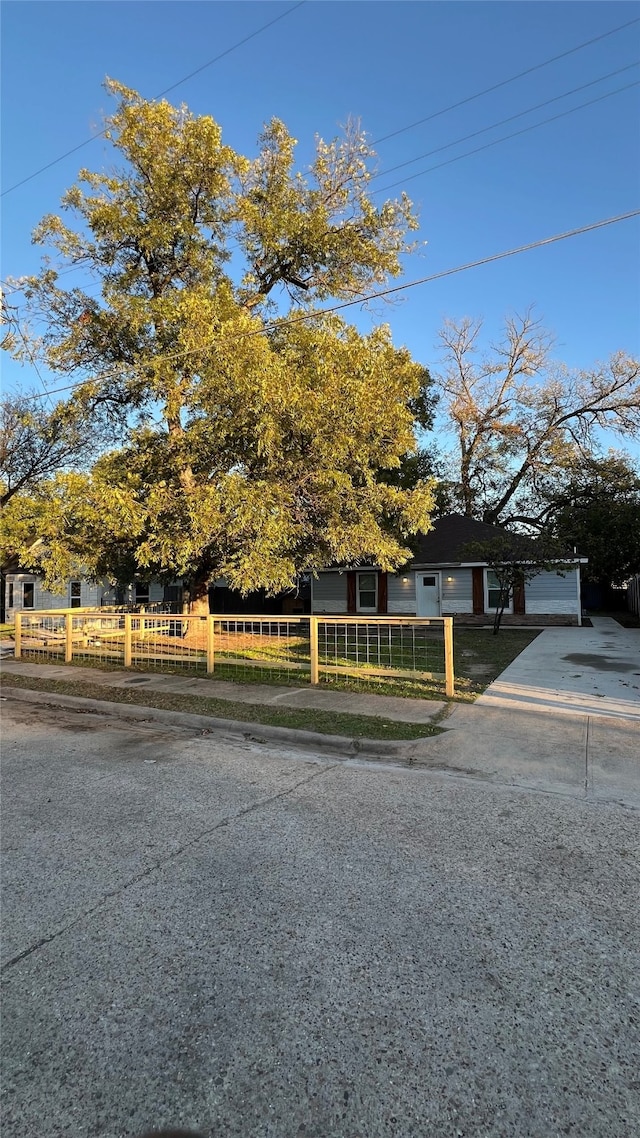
x,y
24,592
439,581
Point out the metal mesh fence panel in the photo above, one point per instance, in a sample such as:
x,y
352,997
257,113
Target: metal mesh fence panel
x,y
262,649
392,651
169,643
43,636
401,654
97,639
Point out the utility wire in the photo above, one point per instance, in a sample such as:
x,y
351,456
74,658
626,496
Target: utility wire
x,y
505,82
32,360
511,118
464,138
505,138
383,138
209,63
301,317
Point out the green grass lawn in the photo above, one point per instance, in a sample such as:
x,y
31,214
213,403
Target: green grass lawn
x,y
479,657
305,719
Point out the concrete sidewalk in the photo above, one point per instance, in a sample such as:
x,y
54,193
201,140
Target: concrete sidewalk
x,y
547,723
348,703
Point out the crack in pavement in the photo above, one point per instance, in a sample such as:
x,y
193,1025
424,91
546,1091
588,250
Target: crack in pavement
x,y
159,864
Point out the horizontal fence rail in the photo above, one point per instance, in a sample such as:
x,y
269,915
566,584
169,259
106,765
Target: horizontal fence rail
x,y
379,649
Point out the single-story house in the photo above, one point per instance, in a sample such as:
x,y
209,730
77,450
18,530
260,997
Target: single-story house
x,y
441,581
25,592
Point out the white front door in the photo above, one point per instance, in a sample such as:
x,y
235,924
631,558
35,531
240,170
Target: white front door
x,y
427,594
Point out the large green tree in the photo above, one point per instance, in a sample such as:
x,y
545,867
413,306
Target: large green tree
x,y
597,511
251,428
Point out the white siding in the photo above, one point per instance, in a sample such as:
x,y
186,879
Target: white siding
x,y
401,594
329,593
92,595
550,593
457,591
43,599
109,594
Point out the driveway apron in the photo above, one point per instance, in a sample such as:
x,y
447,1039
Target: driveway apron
x,y
564,716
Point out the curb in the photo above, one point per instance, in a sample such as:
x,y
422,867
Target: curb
x,y
250,732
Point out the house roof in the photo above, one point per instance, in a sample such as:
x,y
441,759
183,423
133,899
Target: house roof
x,y
444,544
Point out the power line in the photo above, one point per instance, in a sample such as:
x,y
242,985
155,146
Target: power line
x,y
383,138
209,63
505,138
300,318
504,82
34,365
511,118
463,138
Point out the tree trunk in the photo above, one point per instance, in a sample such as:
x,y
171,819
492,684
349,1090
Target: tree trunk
x,y
502,604
196,596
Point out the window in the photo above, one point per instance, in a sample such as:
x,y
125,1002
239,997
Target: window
x,y
142,593
367,592
75,591
428,582
492,593
10,598
28,590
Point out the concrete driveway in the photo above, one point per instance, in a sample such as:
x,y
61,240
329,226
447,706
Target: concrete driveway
x,y
584,671
563,717
257,944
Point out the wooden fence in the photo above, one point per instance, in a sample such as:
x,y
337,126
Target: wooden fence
x,y
378,648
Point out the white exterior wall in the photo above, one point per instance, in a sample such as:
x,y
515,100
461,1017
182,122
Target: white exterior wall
x,y
550,593
547,593
329,594
92,595
42,598
456,591
401,594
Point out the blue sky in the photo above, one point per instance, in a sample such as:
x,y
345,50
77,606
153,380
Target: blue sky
x,y
389,64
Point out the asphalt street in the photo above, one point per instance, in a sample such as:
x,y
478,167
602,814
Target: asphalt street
x,y
248,941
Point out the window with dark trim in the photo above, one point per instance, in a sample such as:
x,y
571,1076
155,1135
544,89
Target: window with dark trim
x,y
367,592
492,593
28,595
75,594
142,592
10,598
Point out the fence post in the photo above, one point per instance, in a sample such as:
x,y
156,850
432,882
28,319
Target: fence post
x,y
313,648
18,636
127,640
68,638
210,645
448,655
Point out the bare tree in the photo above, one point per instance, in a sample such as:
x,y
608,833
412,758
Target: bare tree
x,y
519,416
36,443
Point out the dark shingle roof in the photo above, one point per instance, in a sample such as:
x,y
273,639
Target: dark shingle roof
x,y
443,544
